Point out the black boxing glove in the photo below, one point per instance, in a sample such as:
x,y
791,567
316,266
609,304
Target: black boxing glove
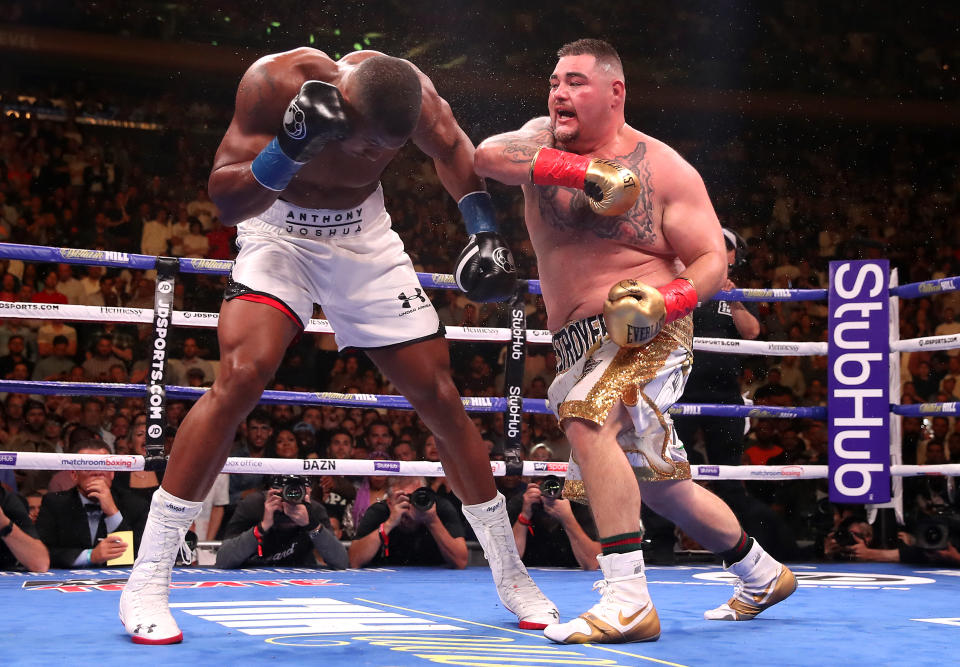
x,y
313,118
485,269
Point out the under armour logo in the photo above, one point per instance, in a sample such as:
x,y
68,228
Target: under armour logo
x,y
405,300
150,628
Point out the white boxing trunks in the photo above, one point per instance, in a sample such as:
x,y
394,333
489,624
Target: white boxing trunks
x,y
648,380
351,262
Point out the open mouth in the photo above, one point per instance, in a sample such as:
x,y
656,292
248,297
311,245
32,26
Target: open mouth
x,y
565,114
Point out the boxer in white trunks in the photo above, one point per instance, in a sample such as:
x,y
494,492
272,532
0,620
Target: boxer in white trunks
x,y
299,172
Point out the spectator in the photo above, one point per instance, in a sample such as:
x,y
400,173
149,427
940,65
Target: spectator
x,y
155,238
396,532
139,482
191,359
259,429
69,286
74,524
50,293
195,243
49,331
370,490
550,531
336,492
267,529
20,545
378,437
16,354
31,438
97,366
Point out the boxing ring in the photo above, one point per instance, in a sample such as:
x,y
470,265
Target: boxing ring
x,y
852,612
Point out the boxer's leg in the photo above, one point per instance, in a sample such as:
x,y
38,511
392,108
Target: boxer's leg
x,y
761,581
249,357
625,612
421,371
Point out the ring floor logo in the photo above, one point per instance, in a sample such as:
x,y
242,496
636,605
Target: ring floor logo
x,y
814,579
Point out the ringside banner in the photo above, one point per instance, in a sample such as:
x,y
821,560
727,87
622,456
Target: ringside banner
x,y
858,386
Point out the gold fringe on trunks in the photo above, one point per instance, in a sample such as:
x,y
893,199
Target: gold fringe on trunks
x,y
574,490
629,371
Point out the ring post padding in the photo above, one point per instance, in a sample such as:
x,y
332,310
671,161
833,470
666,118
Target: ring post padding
x,y
513,383
167,268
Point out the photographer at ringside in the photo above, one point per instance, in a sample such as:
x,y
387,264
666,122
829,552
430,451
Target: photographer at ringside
x,y
281,525
413,526
550,531
933,541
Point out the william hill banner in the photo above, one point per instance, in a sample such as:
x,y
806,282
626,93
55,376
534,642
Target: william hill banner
x,y
859,406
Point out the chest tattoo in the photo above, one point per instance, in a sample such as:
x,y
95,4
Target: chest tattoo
x,y
560,210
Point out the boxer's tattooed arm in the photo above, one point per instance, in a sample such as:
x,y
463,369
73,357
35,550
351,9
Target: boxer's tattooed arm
x,y
521,146
565,209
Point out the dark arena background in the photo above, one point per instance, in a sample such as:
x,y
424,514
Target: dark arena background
x,y
826,134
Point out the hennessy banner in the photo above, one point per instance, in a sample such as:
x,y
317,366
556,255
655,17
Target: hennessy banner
x,y
858,386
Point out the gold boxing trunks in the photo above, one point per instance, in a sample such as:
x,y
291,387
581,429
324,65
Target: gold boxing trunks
x,y
647,379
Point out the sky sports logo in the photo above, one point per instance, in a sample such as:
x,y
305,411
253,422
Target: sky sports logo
x,y
8,459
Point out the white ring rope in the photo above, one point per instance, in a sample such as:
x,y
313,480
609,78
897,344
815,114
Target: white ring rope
x,y
358,467
206,320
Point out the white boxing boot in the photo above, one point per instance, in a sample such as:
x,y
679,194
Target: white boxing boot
x,y
625,612
761,582
144,603
516,589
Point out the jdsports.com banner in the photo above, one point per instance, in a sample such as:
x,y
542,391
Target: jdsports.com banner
x,y
859,407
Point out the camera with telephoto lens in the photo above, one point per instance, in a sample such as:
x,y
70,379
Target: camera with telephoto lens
x,y
551,487
293,488
938,530
423,498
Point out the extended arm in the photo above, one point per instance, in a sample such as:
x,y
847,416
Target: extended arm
x,y
506,157
440,136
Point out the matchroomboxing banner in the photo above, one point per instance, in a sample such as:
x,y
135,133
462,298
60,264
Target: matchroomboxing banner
x,y
858,386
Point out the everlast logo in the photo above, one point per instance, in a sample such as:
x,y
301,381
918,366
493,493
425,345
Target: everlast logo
x,y
641,334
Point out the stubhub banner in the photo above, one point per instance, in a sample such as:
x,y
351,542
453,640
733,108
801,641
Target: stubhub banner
x,y
859,407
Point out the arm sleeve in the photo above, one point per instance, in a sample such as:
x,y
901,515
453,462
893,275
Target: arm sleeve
x,y
376,514
49,529
235,551
16,511
448,515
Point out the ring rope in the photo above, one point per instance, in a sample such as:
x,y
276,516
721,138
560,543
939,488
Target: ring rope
x,y
322,467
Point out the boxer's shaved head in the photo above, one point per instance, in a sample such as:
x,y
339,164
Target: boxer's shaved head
x,y
387,91
606,56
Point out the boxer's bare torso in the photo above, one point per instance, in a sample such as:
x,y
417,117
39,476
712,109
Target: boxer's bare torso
x,y
342,174
581,254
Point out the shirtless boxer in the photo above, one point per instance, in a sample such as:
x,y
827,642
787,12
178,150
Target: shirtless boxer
x,y
298,172
593,224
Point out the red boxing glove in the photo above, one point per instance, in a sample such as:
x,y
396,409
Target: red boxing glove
x,y
680,298
553,167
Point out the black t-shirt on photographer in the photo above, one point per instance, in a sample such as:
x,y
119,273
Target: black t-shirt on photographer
x,y
409,547
284,544
549,545
715,377
16,511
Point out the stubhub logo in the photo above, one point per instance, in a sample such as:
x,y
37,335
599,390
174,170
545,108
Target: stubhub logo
x,y
8,459
392,466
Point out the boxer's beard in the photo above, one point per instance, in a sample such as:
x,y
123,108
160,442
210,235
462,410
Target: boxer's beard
x,y
565,136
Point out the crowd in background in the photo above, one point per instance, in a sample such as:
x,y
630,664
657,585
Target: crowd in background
x,y
801,193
